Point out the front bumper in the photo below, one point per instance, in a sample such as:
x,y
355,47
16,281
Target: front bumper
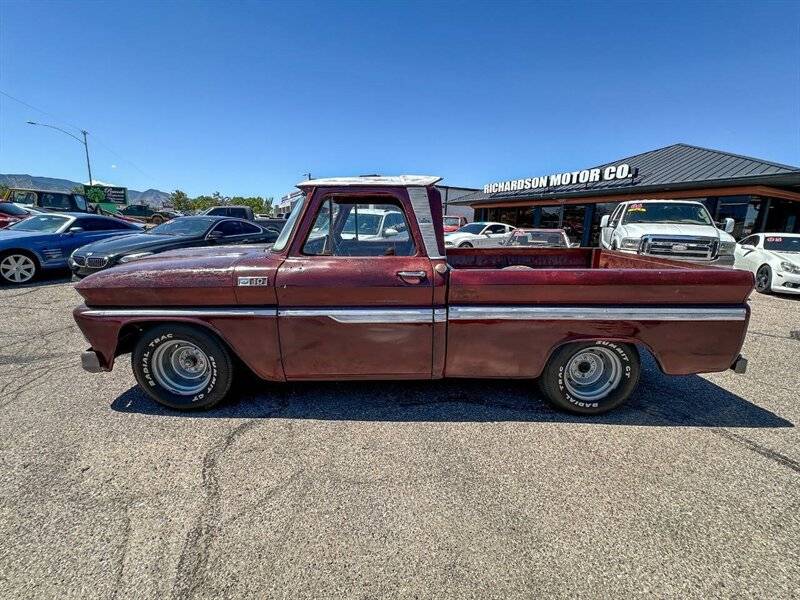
x,y
786,283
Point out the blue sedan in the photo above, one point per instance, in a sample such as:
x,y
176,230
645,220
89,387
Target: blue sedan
x,y
46,240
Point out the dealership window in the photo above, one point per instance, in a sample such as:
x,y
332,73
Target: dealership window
x,y
573,223
601,209
549,217
783,216
744,210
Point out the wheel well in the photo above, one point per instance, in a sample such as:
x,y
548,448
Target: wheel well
x,y
639,345
130,333
27,253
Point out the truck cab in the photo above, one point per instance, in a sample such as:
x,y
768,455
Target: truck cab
x,y
332,300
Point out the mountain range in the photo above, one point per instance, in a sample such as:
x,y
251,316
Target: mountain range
x,y
150,197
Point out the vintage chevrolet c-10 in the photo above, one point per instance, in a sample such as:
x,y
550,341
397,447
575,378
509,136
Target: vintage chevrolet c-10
x,y
335,298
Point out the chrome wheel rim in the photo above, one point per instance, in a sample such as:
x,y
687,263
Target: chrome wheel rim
x,y
593,373
181,367
17,268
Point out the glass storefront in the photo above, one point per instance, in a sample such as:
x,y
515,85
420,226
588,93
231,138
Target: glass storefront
x,y
751,214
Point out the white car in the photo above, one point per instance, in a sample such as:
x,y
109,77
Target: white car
x,y
481,233
775,260
677,229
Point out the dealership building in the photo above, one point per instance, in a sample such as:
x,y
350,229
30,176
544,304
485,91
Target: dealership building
x,y
758,195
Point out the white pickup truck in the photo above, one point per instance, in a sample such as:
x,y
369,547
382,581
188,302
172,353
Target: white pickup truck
x,y
676,229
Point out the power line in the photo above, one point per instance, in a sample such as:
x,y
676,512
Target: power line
x,y
44,112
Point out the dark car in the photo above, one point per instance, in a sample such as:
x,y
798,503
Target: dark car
x,y
146,214
271,223
183,232
240,212
50,201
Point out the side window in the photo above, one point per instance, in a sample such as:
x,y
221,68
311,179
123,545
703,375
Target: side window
x,y
56,201
24,197
80,202
95,224
249,228
496,229
363,227
229,228
750,241
616,216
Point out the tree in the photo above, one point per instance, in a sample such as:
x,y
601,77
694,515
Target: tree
x,y
180,201
4,190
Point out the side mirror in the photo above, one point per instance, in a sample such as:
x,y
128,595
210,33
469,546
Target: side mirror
x,y
604,221
75,229
390,232
729,224
488,234
748,247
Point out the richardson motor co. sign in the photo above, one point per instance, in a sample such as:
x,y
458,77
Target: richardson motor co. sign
x,y
623,171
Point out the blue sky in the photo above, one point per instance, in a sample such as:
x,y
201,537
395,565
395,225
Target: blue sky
x,y
245,97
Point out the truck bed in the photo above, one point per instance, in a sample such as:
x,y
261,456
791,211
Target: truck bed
x,y
588,276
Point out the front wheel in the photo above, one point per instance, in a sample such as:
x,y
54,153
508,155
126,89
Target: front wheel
x,y
764,279
182,367
465,245
17,268
591,378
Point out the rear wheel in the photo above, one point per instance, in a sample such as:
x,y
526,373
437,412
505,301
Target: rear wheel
x,y
591,378
764,279
17,268
182,367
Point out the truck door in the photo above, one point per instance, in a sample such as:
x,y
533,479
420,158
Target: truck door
x,y
353,301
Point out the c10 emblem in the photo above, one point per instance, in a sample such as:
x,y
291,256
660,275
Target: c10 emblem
x,y
251,281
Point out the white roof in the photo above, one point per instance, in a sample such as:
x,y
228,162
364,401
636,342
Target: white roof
x,y
401,180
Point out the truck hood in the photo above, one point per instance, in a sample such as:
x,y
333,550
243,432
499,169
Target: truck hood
x,y
637,230
186,277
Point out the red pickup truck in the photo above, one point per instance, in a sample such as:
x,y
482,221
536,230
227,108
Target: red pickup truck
x,y
358,286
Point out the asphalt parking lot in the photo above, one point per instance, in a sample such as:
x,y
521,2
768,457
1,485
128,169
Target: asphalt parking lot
x,y
466,489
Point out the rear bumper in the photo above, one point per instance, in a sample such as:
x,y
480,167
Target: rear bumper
x,y
90,361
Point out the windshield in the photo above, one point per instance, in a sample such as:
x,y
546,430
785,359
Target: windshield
x,y
536,238
11,209
189,226
286,232
475,228
367,224
782,243
668,212
43,223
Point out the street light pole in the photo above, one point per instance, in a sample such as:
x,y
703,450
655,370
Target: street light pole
x,y
74,137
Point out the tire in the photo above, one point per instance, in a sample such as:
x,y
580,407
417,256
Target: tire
x,y
465,245
18,267
182,367
619,368
764,279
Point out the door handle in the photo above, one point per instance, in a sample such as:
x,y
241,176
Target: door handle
x,y
412,276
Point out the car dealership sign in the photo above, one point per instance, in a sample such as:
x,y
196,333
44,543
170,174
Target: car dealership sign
x,y
611,172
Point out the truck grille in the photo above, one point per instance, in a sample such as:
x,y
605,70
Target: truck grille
x,y
96,262
679,247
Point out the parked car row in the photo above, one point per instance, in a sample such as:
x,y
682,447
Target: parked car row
x,y
87,243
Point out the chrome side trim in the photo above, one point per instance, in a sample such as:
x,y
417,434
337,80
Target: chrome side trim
x,y
363,315
592,313
439,315
181,312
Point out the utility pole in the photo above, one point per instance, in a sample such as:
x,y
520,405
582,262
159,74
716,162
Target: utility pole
x,y
74,137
